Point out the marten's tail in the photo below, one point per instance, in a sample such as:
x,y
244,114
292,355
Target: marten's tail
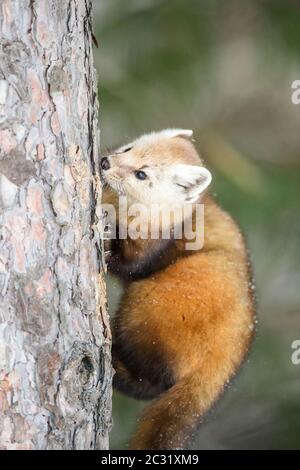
x,y
169,422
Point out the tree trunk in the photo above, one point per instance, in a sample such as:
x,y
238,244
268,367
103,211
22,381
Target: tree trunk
x,y
55,368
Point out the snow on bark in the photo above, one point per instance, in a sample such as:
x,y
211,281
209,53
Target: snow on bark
x,y
55,369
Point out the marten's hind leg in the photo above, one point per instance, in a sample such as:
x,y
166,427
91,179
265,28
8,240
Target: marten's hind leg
x,y
126,383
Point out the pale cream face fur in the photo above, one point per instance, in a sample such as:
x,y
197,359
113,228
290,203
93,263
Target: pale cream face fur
x,y
173,169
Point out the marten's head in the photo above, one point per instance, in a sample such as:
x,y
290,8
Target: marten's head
x,y
161,167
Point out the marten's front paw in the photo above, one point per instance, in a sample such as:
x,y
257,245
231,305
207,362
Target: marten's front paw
x,y
107,249
112,261
107,239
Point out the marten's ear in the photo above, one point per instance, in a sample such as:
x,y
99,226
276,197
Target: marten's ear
x,y
192,180
170,133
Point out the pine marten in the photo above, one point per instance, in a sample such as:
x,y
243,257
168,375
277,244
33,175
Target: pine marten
x,y
186,317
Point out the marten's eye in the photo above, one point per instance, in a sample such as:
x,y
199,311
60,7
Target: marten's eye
x,y
127,149
140,175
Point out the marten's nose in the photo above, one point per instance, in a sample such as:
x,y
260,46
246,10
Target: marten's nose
x,y
105,163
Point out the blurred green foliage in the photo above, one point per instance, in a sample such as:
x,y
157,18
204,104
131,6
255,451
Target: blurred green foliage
x,y
225,70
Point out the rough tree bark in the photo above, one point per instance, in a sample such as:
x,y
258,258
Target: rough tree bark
x,y
55,369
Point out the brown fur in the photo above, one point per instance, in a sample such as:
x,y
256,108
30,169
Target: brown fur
x,y
183,327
